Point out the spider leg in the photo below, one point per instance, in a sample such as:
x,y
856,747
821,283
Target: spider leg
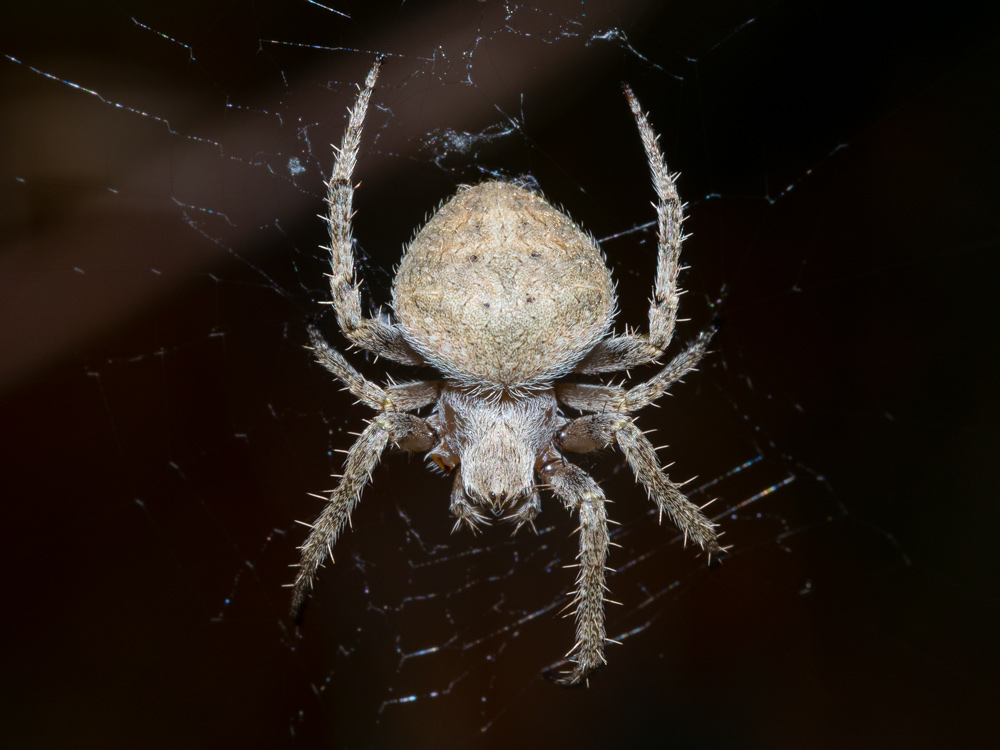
x,y
631,350
669,499
608,398
597,431
405,430
588,397
580,493
644,394
374,334
403,397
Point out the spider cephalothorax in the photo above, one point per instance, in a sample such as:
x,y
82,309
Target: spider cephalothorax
x,y
505,296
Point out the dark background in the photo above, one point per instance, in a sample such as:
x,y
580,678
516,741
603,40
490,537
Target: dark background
x,y
161,424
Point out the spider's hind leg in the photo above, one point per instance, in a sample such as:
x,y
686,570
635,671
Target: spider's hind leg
x,y
632,349
382,337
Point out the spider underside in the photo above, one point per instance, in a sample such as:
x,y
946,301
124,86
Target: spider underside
x,y
505,296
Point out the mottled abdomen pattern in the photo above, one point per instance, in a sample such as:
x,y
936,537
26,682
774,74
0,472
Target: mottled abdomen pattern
x,y
502,289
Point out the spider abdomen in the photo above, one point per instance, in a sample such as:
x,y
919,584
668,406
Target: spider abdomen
x,y
502,289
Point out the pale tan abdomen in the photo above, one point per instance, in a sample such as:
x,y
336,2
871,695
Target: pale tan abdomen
x,y
500,288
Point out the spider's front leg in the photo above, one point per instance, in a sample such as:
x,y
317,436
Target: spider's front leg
x,y
580,493
374,334
597,431
406,431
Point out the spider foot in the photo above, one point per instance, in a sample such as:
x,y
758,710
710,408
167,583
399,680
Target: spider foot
x,y
577,677
585,658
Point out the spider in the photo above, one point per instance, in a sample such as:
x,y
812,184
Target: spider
x,y
505,296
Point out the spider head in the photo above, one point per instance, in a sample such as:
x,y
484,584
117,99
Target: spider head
x,y
497,468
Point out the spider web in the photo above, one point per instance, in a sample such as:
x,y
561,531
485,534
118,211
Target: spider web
x,y
163,169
